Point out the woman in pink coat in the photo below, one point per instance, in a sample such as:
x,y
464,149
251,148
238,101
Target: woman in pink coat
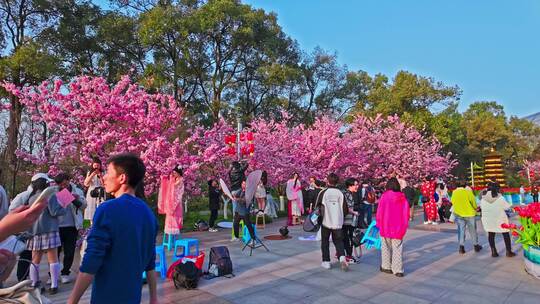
x,y
392,221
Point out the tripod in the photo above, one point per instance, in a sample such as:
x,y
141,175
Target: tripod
x,y
254,243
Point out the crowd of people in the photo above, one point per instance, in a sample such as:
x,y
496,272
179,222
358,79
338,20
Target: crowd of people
x,y
113,260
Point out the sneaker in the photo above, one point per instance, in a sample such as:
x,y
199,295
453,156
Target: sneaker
x,y
434,223
53,291
344,264
349,259
235,239
477,248
65,279
213,230
326,265
426,222
462,249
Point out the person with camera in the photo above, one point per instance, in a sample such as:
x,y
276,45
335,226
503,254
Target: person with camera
x,y
96,193
70,223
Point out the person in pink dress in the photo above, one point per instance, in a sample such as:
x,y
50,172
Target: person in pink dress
x,y
392,220
170,201
294,195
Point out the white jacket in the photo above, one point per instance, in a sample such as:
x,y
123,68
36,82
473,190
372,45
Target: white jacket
x,y
493,214
334,208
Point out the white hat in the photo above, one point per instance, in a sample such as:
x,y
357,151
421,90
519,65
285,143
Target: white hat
x,y
41,175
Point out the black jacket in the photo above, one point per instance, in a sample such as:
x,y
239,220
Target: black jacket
x,y
213,198
237,175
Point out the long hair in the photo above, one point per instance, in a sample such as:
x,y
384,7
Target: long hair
x,y
494,188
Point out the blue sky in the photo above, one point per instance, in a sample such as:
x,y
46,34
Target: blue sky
x,y
490,49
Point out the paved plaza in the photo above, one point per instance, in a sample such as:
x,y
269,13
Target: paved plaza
x,y
291,273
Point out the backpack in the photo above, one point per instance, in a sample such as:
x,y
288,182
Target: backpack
x,y
186,275
311,223
357,237
219,263
371,197
201,225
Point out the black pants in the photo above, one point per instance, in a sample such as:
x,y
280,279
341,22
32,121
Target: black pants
x,y
444,212
23,266
535,198
347,239
506,237
337,239
247,223
68,239
213,217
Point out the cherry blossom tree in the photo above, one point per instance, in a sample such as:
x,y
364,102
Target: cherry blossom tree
x,y
88,117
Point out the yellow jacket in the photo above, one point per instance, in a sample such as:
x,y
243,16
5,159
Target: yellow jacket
x,y
464,202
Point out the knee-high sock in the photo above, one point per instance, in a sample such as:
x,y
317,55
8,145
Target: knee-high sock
x,y
55,274
34,273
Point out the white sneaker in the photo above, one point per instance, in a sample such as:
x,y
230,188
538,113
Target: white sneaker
x,y
213,230
326,265
65,279
434,223
235,239
425,223
49,281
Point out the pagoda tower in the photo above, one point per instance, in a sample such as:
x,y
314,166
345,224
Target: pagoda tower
x,y
493,168
476,176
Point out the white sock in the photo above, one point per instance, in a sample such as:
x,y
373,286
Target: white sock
x,y
55,274
34,273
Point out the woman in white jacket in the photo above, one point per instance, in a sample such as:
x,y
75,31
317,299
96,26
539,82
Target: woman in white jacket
x,y
493,207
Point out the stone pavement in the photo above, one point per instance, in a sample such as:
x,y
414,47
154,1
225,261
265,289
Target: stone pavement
x,y
291,273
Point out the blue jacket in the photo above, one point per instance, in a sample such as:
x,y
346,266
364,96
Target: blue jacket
x,y
121,246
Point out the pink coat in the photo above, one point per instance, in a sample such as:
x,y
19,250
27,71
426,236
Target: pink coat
x,y
393,215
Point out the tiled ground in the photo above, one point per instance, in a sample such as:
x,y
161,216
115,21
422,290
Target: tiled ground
x,y
291,273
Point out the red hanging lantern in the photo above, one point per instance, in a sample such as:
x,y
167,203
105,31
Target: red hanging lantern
x,y
251,149
231,151
242,136
244,151
249,136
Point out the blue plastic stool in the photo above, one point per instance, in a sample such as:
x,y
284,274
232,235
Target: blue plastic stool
x,y
371,238
168,240
186,245
161,265
246,237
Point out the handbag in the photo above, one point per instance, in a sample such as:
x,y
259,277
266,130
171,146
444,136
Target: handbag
x,y
23,293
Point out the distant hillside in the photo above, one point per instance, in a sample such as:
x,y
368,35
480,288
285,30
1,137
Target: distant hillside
x,y
534,118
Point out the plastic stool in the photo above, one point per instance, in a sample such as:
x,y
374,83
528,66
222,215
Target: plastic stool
x,y
246,237
371,238
161,265
240,230
168,240
186,245
260,216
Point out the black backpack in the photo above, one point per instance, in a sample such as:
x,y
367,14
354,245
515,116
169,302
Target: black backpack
x,y
186,275
220,263
311,223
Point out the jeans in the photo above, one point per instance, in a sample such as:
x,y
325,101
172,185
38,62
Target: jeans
x,y
464,223
337,239
368,212
68,238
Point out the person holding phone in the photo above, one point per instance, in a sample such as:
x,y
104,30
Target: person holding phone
x,y
96,193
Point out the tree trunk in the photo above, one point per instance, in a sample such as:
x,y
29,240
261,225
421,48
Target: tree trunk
x,y
15,115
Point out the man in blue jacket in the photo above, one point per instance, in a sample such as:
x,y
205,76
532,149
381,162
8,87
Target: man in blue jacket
x,y
121,244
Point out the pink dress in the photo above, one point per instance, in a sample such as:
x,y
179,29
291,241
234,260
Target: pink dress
x,y
170,204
